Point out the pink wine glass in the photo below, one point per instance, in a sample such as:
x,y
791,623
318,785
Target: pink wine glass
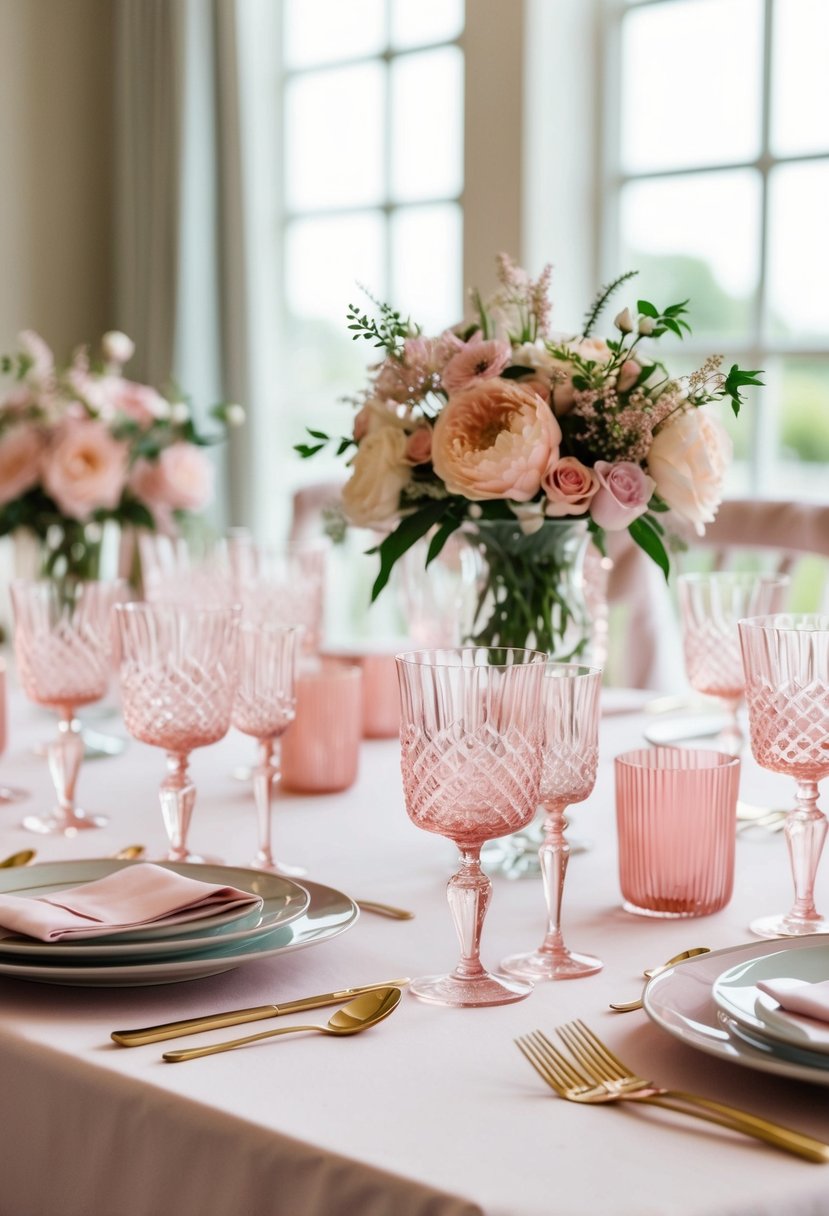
x,y
470,741
710,606
570,707
62,643
179,669
786,661
264,707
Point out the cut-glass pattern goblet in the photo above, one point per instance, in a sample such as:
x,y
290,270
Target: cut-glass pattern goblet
x,y
62,642
711,604
470,740
786,659
570,709
179,668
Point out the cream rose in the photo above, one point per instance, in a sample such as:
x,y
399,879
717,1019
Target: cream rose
x,y
494,441
688,460
379,471
569,486
20,452
85,469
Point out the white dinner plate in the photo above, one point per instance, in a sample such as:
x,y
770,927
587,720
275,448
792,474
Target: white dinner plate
x,y
692,730
328,914
681,1001
735,992
282,901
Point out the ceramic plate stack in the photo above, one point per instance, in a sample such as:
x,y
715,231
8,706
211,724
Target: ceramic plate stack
x,y
290,918
712,1003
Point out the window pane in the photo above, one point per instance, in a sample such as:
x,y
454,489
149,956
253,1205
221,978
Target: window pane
x,y
427,125
418,22
799,252
323,31
426,265
691,83
800,98
326,259
334,138
803,430
695,237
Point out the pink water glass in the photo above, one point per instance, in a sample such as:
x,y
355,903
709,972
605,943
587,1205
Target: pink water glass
x,y
711,604
321,751
471,735
264,707
786,658
173,572
179,668
283,585
676,816
62,643
570,708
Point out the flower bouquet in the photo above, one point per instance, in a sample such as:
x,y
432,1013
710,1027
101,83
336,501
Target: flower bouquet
x,y
532,443
81,445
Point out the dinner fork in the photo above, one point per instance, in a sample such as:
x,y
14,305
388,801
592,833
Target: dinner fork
x,y
603,1079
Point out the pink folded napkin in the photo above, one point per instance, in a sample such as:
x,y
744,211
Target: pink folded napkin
x,y
126,899
799,996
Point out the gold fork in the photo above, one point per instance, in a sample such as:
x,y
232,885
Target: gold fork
x,y
603,1078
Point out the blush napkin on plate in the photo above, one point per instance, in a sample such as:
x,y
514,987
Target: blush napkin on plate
x,y
799,996
138,895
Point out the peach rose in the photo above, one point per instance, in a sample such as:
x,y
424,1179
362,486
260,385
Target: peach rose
x,y
479,359
623,494
181,479
371,496
569,486
688,460
85,469
627,376
20,452
494,441
419,446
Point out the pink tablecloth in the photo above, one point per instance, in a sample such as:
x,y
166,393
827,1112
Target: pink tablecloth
x,y
434,1113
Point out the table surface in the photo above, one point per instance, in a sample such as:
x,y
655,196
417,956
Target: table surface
x,y
433,1112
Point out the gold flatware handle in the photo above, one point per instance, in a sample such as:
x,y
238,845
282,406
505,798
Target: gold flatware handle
x,y
371,905
238,1017
738,1120
17,859
195,1053
626,1006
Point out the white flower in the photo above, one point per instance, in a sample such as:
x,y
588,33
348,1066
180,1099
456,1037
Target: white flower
x,y
379,471
234,414
179,413
624,321
530,515
646,326
117,347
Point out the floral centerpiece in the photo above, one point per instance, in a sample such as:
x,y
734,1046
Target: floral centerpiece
x,y
500,426
82,445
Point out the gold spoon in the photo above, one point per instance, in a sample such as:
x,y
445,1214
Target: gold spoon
x,y
371,905
130,852
628,1006
17,859
357,1015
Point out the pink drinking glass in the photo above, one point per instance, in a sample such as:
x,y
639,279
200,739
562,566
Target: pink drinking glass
x,y
264,707
786,658
179,668
710,606
570,708
471,737
676,814
62,643
285,586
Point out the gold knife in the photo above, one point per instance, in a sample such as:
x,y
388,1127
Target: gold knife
x,y
236,1017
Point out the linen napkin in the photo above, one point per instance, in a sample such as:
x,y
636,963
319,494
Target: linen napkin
x,y
799,996
138,895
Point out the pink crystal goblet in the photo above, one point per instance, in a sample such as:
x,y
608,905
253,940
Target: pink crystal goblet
x,y
710,605
284,586
786,659
179,668
264,707
62,643
470,741
570,712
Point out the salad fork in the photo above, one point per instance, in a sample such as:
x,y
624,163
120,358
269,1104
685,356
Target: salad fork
x,y
595,1076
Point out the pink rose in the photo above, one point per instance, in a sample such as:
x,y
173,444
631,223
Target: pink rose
x,y
112,395
627,376
569,486
494,441
181,479
419,446
20,452
688,458
478,360
623,494
85,469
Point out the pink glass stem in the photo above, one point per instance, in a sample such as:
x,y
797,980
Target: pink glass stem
x,y
553,856
805,833
177,795
64,755
731,738
468,893
264,776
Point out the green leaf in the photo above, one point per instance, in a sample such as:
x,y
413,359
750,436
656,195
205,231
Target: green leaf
x,y
441,537
647,309
515,372
408,531
305,450
737,379
650,542
318,434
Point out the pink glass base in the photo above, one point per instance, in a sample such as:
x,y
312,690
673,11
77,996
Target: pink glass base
x,y
483,989
677,913
788,926
64,825
277,867
551,965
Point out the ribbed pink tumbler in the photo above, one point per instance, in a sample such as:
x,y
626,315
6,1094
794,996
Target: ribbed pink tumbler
x,y
676,814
